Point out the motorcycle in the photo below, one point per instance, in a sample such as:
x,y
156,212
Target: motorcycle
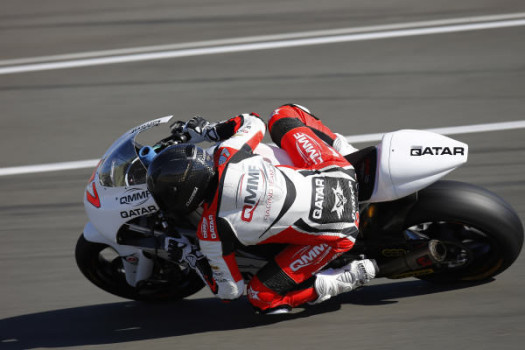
x,y
411,222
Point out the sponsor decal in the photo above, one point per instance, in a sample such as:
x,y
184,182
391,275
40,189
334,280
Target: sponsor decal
x,y
393,252
204,228
308,148
333,200
213,233
310,255
339,200
208,228
145,126
134,196
93,199
195,189
243,130
219,275
424,261
355,207
250,200
270,175
127,214
246,128
253,294
317,213
417,151
269,202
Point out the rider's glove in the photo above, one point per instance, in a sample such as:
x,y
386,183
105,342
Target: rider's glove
x,y
199,129
182,250
176,127
177,133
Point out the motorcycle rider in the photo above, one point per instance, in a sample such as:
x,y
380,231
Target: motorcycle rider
x,y
311,206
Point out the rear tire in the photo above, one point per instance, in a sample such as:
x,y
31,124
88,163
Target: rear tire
x,y
101,265
485,233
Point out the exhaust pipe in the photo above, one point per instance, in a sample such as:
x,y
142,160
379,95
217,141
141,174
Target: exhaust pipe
x,y
423,258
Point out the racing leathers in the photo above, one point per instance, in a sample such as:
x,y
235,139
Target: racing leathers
x,y
310,206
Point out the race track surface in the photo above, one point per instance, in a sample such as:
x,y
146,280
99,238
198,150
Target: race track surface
x,y
361,87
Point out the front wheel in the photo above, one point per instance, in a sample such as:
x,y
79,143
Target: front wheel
x,y
483,234
102,266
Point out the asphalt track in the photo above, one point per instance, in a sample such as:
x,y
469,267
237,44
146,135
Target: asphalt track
x,y
363,87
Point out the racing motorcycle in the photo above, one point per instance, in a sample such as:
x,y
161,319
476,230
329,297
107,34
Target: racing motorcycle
x,y
411,222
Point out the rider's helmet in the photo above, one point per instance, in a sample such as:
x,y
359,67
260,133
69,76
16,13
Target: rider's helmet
x,y
180,177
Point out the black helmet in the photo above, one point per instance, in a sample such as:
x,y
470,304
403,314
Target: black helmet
x,y
179,178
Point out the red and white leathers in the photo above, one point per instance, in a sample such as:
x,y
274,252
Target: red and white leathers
x,y
312,206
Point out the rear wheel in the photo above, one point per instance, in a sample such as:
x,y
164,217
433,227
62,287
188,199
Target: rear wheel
x,y
101,265
482,233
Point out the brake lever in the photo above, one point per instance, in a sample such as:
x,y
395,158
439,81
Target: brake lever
x,y
173,139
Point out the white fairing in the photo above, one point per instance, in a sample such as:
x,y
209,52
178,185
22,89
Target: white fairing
x,y
410,160
138,266
119,204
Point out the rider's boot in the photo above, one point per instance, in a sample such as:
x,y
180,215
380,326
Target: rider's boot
x,y
332,282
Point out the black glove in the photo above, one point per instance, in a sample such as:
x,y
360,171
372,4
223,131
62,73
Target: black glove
x,y
177,127
177,134
182,250
199,129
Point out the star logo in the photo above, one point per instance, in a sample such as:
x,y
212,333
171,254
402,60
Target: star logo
x,y
340,200
252,294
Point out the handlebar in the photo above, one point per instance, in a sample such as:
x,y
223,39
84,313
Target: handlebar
x,y
147,153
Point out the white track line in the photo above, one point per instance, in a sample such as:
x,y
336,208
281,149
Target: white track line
x,y
467,129
252,39
453,130
262,43
42,168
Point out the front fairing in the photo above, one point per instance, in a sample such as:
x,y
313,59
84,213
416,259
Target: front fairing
x,y
118,192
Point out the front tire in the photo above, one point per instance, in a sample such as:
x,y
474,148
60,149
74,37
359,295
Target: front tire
x,y
483,232
102,266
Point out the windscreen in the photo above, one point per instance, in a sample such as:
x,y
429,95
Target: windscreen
x,y
122,167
